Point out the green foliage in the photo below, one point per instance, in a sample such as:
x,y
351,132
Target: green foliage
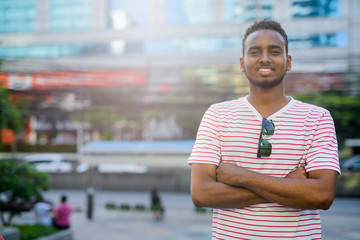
x,y
110,205
344,110
200,210
19,182
29,232
189,122
124,207
139,207
10,117
155,208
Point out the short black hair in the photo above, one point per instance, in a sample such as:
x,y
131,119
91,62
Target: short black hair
x,y
268,25
63,198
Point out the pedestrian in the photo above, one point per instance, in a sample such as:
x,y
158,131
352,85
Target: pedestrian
x,y
62,214
157,205
265,162
43,212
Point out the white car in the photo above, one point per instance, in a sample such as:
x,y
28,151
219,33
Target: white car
x,y
49,162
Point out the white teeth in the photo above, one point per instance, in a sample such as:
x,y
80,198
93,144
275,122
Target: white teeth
x,y
264,70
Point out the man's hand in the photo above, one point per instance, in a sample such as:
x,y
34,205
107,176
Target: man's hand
x,y
298,172
229,173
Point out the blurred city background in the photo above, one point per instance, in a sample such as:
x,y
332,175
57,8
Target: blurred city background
x,y
115,89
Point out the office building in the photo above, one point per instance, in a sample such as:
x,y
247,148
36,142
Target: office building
x,y
163,56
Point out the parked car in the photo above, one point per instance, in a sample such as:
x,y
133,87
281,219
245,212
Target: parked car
x,y
352,163
49,162
349,180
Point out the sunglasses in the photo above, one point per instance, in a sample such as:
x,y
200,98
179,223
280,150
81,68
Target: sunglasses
x,y
264,146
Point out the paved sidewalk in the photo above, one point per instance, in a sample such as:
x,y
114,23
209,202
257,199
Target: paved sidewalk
x,y
180,222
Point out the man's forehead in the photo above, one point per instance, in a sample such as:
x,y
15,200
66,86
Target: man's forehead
x,y
262,35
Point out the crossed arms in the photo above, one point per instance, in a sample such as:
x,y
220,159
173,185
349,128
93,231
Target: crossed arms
x,y
231,186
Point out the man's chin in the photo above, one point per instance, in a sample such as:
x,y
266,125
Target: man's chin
x,y
266,83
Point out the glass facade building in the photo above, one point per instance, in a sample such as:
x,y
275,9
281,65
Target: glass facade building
x,y
316,8
67,16
154,52
70,15
17,16
243,11
55,29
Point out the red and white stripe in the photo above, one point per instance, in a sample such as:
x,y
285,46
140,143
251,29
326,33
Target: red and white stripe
x,y
304,133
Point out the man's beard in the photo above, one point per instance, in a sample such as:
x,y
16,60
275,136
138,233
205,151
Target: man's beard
x,y
266,84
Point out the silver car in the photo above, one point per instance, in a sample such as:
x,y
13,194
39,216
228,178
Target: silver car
x,y
349,180
49,162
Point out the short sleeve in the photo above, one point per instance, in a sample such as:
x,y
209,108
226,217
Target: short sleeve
x,y
207,144
323,151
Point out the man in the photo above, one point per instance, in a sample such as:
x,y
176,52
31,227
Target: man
x,y
265,162
62,214
43,211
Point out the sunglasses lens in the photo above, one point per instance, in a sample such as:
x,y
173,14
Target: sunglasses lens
x,y
264,148
268,127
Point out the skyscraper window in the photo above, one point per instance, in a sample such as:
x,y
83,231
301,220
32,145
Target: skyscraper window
x,y
17,16
239,11
70,14
316,8
187,12
338,39
128,13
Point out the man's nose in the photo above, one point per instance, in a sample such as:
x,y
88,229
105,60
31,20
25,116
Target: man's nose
x,y
264,57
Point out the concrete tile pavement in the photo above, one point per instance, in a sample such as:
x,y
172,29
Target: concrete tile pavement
x,y
180,222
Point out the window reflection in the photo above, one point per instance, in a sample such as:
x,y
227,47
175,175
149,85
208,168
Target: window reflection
x,y
128,13
17,16
70,14
319,40
193,45
166,46
239,11
187,12
50,51
316,8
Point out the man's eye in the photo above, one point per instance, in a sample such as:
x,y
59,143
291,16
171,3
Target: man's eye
x,y
275,52
253,52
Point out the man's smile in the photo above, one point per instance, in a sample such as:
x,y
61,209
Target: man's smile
x,y
265,71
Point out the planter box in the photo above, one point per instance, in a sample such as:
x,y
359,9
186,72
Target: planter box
x,y
10,233
61,235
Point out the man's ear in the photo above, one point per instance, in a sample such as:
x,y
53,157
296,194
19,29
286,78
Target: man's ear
x,y
242,67
288,63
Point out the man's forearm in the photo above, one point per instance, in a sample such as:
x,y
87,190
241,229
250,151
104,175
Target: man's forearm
x,y
295,193
207,192
316,192
219,195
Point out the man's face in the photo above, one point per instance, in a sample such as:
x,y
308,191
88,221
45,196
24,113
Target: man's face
x,y
264,60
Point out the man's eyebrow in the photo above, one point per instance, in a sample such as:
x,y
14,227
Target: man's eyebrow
x,y
274,46
254,48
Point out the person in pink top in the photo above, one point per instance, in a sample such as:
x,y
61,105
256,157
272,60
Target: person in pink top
x,y
62,214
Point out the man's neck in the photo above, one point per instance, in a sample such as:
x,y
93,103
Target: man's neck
x,y
268,102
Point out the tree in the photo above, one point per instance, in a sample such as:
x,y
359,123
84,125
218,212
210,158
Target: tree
x,y
20,185
344,110
10,117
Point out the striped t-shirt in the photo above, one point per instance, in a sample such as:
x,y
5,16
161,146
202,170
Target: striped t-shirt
x,y
304,133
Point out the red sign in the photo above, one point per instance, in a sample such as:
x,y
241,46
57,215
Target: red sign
x,y
7,136
4,80
59,80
